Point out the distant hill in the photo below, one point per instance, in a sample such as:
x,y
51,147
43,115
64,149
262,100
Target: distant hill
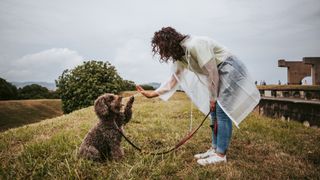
x,y
52,86
155,85
48,85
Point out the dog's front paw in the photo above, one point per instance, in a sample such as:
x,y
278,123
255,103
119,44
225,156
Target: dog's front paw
x,y
131,100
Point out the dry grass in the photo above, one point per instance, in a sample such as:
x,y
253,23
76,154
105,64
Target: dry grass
x,y
20,112
262,148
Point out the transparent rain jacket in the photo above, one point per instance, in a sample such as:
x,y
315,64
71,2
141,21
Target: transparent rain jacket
x,y
198,74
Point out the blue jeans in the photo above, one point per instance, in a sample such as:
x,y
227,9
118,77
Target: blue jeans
x,y
221,126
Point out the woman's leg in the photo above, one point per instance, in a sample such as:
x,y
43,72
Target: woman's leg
x,y
224,130
211,151
213,129
221,136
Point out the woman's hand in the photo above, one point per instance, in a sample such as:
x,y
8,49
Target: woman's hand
x,y
148,94
212,105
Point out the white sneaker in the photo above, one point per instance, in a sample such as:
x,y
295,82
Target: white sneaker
x,y
210,152
215,159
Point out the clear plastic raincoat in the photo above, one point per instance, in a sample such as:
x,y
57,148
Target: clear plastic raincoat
x,y
208,71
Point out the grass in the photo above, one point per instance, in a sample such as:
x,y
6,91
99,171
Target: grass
x,y
261,148
20,112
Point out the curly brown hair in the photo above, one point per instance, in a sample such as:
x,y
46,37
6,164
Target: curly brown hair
x,y
166,43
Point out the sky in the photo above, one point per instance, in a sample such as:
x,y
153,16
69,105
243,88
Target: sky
x,y
41,38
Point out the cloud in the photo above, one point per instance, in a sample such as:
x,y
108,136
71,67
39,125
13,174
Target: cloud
x,y
46,65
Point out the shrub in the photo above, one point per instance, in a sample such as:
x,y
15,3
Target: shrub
x,y
7,90
33,91
53,95
79,87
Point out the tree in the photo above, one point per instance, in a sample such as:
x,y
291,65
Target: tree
x,y
7,90
53,95
79,87
33,91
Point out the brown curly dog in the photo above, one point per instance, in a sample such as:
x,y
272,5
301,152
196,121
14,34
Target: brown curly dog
x,y
103,140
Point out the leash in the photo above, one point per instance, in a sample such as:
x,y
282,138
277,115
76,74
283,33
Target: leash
x,y
180,143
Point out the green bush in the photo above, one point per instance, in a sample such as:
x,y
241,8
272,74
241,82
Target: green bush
x,y
79,87
33,91
53,95
7,90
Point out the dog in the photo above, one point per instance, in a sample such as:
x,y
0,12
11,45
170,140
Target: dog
x,y
103,141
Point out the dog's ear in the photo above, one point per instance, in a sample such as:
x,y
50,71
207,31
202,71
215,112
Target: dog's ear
x,y
101,105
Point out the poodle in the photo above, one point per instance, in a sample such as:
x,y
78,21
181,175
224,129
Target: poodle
x,y
103,141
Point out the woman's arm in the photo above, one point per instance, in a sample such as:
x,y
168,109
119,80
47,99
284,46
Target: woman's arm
x,y
213,82
166,87
148,94
213,78
203,51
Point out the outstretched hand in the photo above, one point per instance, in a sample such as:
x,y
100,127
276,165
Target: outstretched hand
x,y
139,88
147,94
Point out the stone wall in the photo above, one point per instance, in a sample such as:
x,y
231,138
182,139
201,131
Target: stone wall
x,y
286,109
301,103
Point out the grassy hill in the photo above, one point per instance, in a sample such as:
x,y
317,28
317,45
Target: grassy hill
x,y
262,148
19,112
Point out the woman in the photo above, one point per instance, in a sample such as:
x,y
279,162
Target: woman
x,y
213,78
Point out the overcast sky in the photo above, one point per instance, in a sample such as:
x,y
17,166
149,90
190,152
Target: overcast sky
x,y
41,38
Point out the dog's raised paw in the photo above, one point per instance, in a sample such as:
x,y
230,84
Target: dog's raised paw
x,y
131,100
